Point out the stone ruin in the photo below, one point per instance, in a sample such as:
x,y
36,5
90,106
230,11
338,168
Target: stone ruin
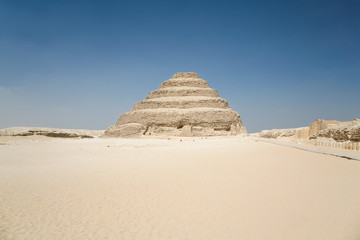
x,y
184,105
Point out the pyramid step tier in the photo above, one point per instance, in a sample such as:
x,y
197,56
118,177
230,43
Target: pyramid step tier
x,y
187,75
185,82
182,91
174,117
182,102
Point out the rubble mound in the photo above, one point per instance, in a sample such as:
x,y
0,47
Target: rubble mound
x,y
275,133
50,132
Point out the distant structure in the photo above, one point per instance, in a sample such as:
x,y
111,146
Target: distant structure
x,y
184,105
323,133
321,124
320,128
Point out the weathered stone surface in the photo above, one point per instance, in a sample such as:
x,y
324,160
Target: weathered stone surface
x,y
320,129
275,133
303,133
343,131
182,91
126,130
355,134
178,82
186,75
186,131
321,124
173,117
182,102
50,132
184,105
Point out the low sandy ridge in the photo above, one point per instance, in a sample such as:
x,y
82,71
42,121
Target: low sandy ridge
x,y
50,132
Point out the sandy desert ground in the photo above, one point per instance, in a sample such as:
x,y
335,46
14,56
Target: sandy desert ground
x,y
218,188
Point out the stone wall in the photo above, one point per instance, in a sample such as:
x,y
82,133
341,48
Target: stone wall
x,y
341,132
320,124
322,133
302,132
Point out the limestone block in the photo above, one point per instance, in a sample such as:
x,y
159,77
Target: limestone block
x,y
186,131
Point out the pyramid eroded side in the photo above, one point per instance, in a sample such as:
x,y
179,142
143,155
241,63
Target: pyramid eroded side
x,y
184,105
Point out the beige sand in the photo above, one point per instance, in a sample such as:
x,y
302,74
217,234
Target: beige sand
x,y
232,188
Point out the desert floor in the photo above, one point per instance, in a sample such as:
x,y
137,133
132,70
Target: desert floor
x,y
231,188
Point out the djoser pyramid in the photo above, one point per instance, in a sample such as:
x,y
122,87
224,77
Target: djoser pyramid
x,y
184,105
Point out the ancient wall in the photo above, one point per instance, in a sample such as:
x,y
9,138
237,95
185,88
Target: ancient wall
x,y
320,124
341,132
303,133
322,133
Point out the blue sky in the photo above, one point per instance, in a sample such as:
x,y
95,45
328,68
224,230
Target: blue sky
x,y
80,64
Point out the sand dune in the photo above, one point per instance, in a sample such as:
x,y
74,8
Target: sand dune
x,y
231,188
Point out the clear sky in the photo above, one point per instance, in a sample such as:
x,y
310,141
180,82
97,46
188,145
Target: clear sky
x,y
80,64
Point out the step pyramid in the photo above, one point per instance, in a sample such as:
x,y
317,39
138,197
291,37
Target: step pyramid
x,y
184,105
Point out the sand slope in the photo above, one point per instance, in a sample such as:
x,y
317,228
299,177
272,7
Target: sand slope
x,y
232,188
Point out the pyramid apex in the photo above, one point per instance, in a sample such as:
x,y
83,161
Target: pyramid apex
x,y
186,75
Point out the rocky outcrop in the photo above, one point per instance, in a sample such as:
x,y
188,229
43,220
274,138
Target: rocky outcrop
x,y
50,132
343,131
184,105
